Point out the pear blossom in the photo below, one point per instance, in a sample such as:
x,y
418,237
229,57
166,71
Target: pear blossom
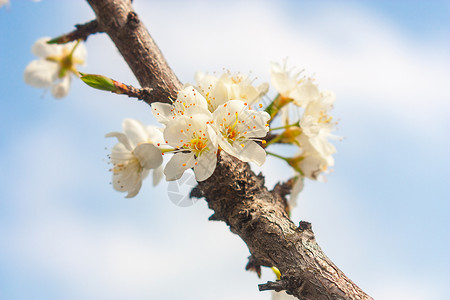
x,y
137,152
188,101
309,162
191,136
237,126
219,90
317,125
292,86
54,65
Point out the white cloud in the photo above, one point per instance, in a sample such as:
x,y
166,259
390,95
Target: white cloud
x,y
360,56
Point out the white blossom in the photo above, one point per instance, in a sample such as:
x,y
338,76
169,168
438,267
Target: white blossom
x,y
219,90
318,125
309,162
190,135
55,63
137,152
291,85
237,126
188,101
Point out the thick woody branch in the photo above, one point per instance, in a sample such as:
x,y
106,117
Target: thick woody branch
x,y
133,41
235,194
82,32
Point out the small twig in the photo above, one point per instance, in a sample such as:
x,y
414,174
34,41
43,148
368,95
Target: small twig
x,y
277,286
132,92
82,32
104,83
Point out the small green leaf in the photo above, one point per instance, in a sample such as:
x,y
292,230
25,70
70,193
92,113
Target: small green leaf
x,y
99,82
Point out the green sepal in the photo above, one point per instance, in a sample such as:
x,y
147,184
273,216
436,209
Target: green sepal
x,y
59,40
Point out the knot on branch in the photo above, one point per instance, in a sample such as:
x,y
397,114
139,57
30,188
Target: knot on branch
x,y
196,192
132,20
303,225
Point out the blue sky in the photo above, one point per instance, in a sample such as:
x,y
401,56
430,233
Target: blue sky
x,y
382,217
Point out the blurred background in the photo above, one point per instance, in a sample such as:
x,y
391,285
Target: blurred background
x,y
382,217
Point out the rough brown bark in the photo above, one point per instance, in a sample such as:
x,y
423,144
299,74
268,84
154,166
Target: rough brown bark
x,y
133,41
235,194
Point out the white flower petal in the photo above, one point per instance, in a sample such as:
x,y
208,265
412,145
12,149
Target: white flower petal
x,y
218,96
179,163
135,131
43,50
305,93
181,130
163,112
129,179
213,136
313,164
251,151
120,154
155,135
189,101
135,190
249,123
148,155
41,73
296,189
206,164
80,53
61,89
122,138
157,175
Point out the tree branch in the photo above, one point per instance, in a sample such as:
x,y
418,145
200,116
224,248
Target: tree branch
x,y
82,32
235,194
133,41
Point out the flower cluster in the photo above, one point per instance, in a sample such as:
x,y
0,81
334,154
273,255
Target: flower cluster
x,y
54,65
136,153
213,115
203,120
311,131
216,114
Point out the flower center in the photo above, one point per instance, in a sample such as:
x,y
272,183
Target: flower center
x,y
324,118
122,166
197,145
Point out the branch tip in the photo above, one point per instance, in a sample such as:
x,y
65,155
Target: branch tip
x,y
82,32
276,286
